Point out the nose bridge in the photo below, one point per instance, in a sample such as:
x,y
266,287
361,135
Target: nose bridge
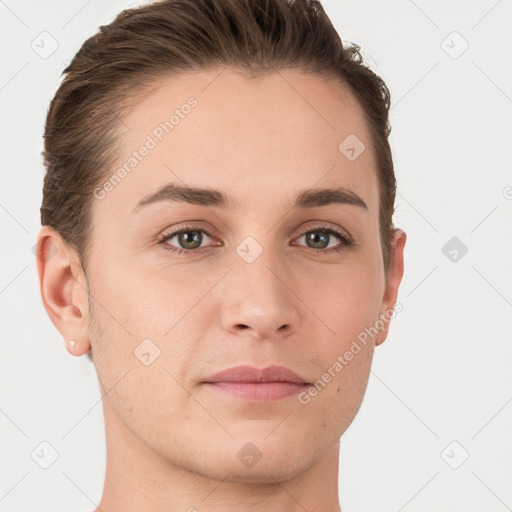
x,y
256,294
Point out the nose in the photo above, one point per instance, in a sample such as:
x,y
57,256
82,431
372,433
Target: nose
x,y
259,301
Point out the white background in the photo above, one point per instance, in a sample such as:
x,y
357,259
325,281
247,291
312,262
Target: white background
x,y
443,375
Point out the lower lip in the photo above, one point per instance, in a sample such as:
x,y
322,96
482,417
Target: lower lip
x,y
258,391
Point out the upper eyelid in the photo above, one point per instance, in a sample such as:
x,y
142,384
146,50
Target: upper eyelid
x,y
322,225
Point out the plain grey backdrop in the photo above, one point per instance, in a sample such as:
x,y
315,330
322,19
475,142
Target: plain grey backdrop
x,y
434,430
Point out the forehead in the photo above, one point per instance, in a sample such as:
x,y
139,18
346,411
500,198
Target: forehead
x,y
255,138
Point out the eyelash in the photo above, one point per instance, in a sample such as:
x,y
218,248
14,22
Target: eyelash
x,y
347,241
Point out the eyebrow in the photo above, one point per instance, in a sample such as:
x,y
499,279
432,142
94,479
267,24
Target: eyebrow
x,y
310,198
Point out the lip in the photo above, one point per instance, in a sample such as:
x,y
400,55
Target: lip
x,y
257,385
251,374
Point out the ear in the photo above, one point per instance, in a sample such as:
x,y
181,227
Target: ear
x,y
63,289
393,279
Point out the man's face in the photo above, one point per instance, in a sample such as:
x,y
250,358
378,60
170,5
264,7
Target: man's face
x,y
265,285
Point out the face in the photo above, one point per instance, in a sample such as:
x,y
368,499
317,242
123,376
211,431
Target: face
x,y
257,281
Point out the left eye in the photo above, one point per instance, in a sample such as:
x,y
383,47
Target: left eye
x,y
322,236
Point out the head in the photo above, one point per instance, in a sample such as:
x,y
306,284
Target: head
x,y
248,137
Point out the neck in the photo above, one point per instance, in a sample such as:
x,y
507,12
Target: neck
x,y
137,479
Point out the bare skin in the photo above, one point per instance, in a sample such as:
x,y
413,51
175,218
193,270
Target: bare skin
x,y
173,443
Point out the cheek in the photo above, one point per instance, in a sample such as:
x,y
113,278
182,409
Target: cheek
x,y
141,374
334,399
349,309
347,301
142,303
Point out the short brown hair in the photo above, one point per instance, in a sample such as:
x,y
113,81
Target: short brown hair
x,y
253,37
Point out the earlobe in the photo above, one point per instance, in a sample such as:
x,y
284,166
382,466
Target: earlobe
x,y
63,289
70,345
394,278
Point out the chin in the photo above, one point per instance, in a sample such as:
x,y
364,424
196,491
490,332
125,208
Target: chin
x,y
261,473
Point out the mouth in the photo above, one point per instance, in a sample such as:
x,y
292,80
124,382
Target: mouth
x,y
257,385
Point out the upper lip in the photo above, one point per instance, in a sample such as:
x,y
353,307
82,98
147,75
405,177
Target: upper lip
x,y
253,374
